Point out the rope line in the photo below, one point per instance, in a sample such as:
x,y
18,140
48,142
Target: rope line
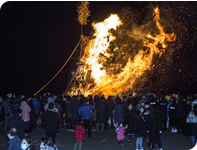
x,y
59,70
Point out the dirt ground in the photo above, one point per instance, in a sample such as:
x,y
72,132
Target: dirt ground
x,y
107,141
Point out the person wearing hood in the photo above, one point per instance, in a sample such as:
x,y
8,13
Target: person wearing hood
x,y
80,135
14,141
25,110
51,118
18,123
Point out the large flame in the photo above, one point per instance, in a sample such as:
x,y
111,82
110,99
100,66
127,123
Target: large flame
x,y
111,84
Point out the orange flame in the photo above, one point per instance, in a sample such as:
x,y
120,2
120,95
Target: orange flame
x,y
118,83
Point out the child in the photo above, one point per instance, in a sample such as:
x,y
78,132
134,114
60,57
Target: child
x,y
80,135
120,133
47,144
26,143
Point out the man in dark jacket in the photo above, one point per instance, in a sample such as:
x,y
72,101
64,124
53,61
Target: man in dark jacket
x,y
14,106
179,113
101,115
68,114
51,118
111,107
14,141
74,106
18,123
85,112
186,110
163,111
42,104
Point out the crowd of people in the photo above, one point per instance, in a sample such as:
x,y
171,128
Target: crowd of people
x,y
141,118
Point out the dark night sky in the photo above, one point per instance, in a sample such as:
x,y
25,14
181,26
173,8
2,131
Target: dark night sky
x,y
38,37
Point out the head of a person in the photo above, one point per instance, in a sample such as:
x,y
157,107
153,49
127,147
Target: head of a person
x,y
80,122
142,102
120,124
81,96
118,101
142,109
154,110
76,97
84,100
12,133
46,141
147,105
96,98
124,98
25,142
188,101
51,105
18,112
130,106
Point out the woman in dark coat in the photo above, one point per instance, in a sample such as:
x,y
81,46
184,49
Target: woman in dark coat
x,y
140,128
101,116
154,127
130,122
51,118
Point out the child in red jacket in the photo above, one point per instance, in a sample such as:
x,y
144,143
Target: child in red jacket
x,y
80,135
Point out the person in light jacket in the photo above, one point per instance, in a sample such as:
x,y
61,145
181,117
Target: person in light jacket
x,y
25,110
